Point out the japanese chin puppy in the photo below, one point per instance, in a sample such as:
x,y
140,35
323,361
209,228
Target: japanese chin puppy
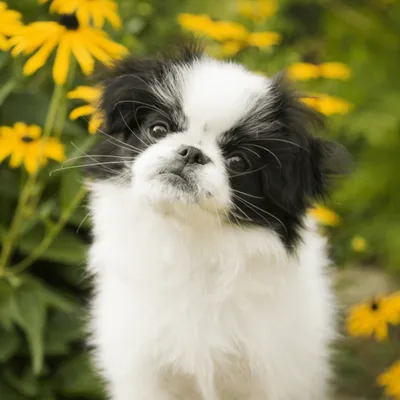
x,y
210,279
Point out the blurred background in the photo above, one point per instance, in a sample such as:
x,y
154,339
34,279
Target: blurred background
x,y
343,55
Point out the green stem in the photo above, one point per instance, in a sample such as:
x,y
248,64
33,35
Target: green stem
x,y
11,236
56,100
50,235
7,89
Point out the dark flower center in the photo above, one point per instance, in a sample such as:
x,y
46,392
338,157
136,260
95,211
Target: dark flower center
x,y
69,21
27,139
374,306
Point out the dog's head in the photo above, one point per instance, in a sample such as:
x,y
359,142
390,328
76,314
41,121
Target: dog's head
x,y
190,130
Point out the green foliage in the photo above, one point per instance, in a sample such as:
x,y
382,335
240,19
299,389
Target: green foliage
x,y
42,355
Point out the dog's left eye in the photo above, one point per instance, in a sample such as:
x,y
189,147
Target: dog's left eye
x,y
237,163
159,130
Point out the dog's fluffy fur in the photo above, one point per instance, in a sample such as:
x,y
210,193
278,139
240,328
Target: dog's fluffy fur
x,y
210,281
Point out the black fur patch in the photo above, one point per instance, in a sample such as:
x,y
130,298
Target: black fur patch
x,y
289,167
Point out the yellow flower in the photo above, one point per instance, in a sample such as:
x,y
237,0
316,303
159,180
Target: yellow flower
x,y
258,10
303,71
335,70
326,104
194,22
226,30
24,144
331,70
219,30
10,25
263,39
84,42
373,318
390,380
359,244
90,95
97,11
324,216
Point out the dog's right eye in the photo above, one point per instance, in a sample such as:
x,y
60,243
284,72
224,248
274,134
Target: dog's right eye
x,y
159,130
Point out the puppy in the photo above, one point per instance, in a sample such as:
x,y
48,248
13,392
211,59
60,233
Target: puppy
x,y
210,280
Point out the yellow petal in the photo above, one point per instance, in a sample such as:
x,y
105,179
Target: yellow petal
x,y
381,332
82,111
54,149
84,58
98,38
17,156
61,63
263,39
20,128
83,16
94,123
5,149
335,70
39,59
325,216
98,18
231,48
34,131
114,19
4,43
86,93
31,161
98,53
303,71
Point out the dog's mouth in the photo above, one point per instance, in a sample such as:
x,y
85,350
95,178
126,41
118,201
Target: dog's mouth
x,y
175,176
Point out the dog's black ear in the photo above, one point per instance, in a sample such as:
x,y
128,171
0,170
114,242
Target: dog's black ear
x,y
318,161
123,86
330,161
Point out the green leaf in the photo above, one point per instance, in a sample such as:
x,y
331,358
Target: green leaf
x,y
77,378
9,343
66,248
34,106
8,393
26,384
55,299
30,314
46,392
6,297
62,330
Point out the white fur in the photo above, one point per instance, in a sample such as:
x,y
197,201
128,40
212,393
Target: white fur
x,y
188,306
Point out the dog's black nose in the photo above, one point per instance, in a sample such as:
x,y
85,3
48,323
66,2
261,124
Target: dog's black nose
x,y
193,155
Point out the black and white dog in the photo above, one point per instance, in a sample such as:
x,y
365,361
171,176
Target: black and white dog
x,y
210,279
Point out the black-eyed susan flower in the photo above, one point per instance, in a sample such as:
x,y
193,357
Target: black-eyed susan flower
x,y
24,145
95,11
324,216
359,244
263,39
71,37
90,95
233,35
390,380
10,24
327,105
330,70
374,317
257,10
